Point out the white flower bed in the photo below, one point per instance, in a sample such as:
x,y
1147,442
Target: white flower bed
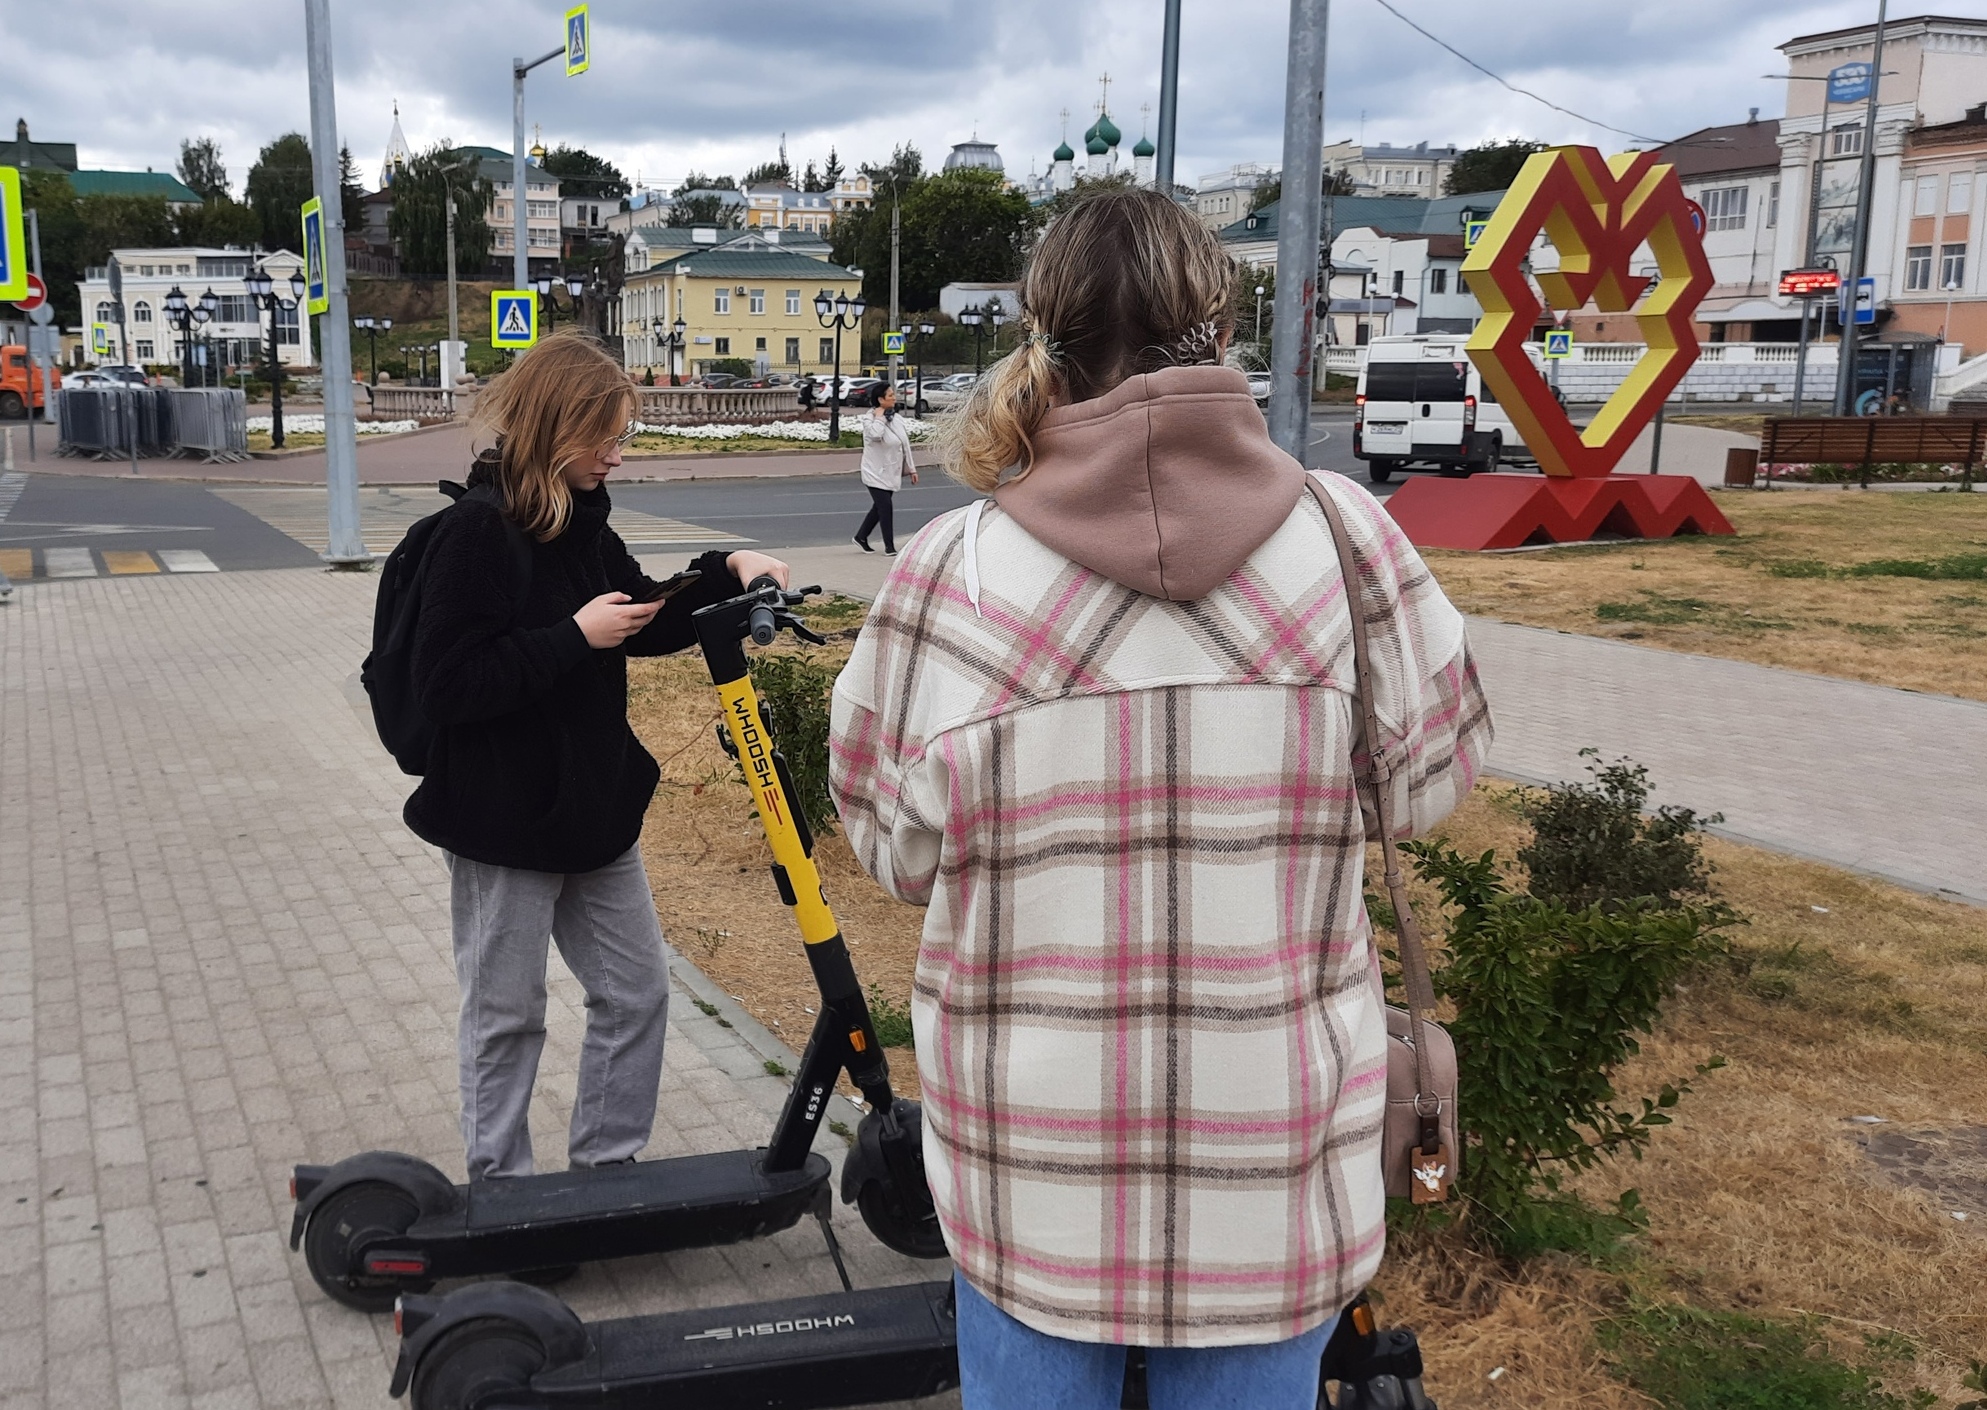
x,y
816,431
312,422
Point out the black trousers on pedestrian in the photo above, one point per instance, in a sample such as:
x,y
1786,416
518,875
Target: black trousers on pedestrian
x,y
881,512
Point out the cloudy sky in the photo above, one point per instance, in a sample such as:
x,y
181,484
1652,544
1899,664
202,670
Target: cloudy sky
x,y
691,84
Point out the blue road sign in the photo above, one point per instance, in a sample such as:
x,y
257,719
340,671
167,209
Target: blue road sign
x,y
893,344
1866,299
13,238
1559,343
579,40
1849,83
513,318
1473,232
316,297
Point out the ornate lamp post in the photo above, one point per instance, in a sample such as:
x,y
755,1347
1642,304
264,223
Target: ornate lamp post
x,y
925,330
669,339
180,314
1259,315
203,314
838,312
262,290
974,318
373,327
997,316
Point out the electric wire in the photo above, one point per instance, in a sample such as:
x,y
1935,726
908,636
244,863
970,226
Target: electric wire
x,y
1499,78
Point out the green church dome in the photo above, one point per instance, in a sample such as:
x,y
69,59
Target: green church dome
x,y
1064,154
1145,148
1108,130
1096,146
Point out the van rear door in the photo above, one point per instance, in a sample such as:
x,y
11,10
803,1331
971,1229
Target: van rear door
x,y
1389,391
1441,389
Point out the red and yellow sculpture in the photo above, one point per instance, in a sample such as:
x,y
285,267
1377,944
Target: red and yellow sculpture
x,y
1597,213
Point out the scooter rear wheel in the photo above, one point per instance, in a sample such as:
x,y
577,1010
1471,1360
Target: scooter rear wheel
x,y
474,1362
896,1227
343,1228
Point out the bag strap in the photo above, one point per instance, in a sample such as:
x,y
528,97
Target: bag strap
x,y
1414,958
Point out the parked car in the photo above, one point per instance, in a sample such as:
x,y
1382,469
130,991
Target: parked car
x,y
717,379
1259,387
961,381
88,377
1421,401
126,374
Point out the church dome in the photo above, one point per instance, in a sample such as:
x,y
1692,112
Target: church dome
x,y
1064,154
1096,146
1145,148
1107,130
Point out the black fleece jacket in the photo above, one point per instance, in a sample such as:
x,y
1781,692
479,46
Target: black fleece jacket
x,y
534,765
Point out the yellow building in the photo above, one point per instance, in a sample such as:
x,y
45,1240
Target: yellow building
x,y
752,304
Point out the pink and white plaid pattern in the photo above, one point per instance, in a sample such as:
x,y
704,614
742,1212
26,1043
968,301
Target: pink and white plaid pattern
x,y
1146,1010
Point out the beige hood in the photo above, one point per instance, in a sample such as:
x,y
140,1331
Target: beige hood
x,y
1166,484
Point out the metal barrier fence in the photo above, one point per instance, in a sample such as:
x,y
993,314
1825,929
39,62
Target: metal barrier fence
x,y
110,423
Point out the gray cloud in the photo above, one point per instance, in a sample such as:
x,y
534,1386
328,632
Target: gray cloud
x,y
711,85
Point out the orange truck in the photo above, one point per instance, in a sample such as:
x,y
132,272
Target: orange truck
x,y
16,378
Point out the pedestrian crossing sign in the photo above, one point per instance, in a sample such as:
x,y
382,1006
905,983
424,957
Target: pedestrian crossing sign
x,y
893,344
1558,343
513,318
316,298
579,41
13,238
100,344
1473,232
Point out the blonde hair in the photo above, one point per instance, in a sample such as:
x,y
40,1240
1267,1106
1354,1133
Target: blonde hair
x,y
1125,282
560,402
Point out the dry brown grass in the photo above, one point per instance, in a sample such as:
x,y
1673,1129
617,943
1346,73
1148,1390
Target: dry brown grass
x,y
1720,596
1758,1195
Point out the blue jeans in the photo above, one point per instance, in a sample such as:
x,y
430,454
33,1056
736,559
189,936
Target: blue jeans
x,y
1003,1364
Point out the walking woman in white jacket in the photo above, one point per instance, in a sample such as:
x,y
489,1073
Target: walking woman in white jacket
x,y
886,460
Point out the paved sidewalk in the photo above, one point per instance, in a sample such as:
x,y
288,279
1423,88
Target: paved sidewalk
x,y
221,953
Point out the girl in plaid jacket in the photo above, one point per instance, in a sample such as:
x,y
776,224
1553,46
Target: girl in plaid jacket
x,y
1102,725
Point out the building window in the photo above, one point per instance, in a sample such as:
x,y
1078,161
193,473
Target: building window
x,y
827,351
1400,280
1772,205
146,270
1918,267
544,239
235,308
141,312
1952,267
723,301
1927,200
757,301
105,314
723,346
679,301
793,308
143,347
793,352
1959,193
286,324
758,345
1438,281
541,210
1725,208
1845,140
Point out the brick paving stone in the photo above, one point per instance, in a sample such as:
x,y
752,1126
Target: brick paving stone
x,y
221,953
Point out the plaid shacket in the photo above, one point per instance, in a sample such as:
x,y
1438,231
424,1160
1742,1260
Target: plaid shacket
x,y
1147,1012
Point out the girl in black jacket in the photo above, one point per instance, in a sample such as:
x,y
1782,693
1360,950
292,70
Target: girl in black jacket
x,y
536,787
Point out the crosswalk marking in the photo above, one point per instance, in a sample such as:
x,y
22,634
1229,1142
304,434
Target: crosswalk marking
x,y
187,560
67,563
386,512
121,562
11,485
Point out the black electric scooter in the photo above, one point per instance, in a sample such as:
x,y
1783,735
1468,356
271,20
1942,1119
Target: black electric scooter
x,y
382,1223
503,1344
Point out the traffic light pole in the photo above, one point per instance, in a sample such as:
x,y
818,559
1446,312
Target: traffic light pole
x,y
1297,229
345,546
1845,374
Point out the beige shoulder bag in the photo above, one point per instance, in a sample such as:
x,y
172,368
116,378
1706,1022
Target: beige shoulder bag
x,y
1419,1145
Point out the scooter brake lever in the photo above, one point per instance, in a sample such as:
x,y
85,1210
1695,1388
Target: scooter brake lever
x,y
799,628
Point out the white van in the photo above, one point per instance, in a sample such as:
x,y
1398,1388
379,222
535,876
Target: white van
x,y
1422,402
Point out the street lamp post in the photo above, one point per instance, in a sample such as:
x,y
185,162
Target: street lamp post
x,y
997,317
180,314
838,312
200,315
973,318
925,330
372,328
262,290
669,338
1259,317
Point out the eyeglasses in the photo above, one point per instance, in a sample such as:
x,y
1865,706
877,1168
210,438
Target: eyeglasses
x,y
633,429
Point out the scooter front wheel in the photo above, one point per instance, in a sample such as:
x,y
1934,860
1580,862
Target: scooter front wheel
x,y
905,1231
341,1230
476,1364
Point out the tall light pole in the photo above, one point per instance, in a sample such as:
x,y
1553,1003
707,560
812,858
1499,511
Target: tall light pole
x,y
180,314
1259,319
925,330
372,328
997,316
520,200
262,290
1298,219
1169,99
838,312
345,547
973,318
1859,257
669,338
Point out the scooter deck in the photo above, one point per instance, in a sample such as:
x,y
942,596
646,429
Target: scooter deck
x,y
580,1216
862,1348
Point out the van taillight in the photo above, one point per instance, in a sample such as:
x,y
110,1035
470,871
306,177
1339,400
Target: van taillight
x,y
1469,413
1359,407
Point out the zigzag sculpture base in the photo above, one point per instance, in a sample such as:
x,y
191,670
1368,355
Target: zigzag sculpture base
x,y
1511,511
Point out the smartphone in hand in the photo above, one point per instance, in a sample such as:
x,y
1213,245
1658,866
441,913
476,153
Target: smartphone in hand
x,y
668,588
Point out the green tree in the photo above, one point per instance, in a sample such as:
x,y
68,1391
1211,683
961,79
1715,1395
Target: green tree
x,y
906,164
1490,166
218,221
1247,278
707,209
831,171
956,225
278,185
1270,189
200,167
778,171
697,181
1086,186
583,174
350,193
119,222
62,239
419,223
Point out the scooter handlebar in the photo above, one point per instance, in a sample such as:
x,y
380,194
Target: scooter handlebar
x,y
769,614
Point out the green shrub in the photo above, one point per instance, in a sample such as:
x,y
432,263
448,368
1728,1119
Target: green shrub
x,y
794,688
1694,1358
1591,844
1965,567
1798,568
1548,1004
892,1020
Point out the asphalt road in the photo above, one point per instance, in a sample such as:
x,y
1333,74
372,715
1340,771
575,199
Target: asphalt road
x,y
117,515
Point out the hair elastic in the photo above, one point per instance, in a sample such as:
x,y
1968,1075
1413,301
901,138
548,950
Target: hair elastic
x,y
1198,341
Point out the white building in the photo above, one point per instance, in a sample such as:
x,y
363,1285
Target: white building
x,y
1412,283
1223,197
1387,170
1733,172
954,299
237,335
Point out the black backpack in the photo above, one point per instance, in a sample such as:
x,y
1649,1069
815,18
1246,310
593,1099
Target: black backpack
x,y
388,672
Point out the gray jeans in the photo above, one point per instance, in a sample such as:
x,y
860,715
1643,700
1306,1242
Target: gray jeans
x,y
605,926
